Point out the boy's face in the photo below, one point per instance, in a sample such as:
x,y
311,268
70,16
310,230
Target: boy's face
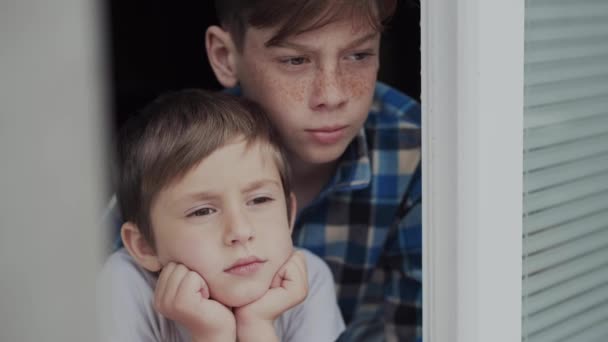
x,y
317,86
226,219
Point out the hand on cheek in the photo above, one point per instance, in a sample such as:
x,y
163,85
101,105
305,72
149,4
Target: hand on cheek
x,y
289,287
183,296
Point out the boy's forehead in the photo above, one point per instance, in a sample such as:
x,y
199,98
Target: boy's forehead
x,y
247,152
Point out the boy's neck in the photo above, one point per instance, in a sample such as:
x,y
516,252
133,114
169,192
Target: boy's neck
x,y
308,180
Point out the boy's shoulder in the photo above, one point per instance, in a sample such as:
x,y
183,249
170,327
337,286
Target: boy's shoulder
x,y
318,317
318,271
125,295
392,108
122,277
393,130
121,264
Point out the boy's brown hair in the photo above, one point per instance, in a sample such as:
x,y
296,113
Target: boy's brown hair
x,y
296,16
173,134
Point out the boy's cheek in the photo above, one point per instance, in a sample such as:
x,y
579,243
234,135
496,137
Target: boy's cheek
x,y
362,86
361,83
273,88
295,90
187,252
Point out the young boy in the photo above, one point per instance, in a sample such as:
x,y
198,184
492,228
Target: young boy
x,y
353,145
204,190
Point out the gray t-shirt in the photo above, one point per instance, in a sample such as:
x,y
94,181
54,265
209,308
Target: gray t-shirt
x,y
126,293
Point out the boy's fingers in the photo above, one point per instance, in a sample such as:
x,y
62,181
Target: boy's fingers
x,y
193,285
278,279
290,284
204,288
295,270
296,276
161,284
172,284
300,262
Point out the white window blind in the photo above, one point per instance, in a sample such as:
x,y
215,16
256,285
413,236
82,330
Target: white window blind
x,y
565,208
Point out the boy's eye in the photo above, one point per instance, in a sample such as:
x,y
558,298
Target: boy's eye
x,y
295,60
202,212
359,56
260,200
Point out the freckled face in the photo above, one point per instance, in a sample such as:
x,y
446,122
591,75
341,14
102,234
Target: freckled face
x,y
316,86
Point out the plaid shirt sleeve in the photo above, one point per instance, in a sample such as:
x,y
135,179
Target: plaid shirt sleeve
x,y
402,270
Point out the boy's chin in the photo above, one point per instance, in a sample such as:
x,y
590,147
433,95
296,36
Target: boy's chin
x,y
236,298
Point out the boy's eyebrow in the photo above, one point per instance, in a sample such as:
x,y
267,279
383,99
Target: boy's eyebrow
x,y
202,195
207,195
362,40
260,183
287,44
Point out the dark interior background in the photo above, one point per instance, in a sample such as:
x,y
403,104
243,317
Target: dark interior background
x,y
158,46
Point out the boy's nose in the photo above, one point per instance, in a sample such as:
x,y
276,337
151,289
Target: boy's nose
x,y
238,230
328,91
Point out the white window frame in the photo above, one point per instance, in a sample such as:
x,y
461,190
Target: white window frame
x,y
52,130
472,105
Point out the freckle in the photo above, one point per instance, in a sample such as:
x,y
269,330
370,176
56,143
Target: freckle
x,y
288,90
295,90
357,85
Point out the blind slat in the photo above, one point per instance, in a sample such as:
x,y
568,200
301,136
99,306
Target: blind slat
x,y
568,251
566,193
569,309
566,132
595,333
563,50
541,73
565,271
564,213
596,26
550,114
534,181
569,289
556,155
567,90
553,12
575,324
565,232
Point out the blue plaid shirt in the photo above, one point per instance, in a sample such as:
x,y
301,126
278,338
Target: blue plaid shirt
x,y
366,224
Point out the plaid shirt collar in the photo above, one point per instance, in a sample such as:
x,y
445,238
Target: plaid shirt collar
x,y
352,173
354,169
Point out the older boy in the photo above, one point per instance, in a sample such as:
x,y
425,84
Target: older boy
x,y
204,189
353,145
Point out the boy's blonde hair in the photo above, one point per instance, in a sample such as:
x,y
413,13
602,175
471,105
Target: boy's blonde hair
x,y
173,134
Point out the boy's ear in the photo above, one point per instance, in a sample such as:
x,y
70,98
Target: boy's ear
x,y
293,212
139,248
221,52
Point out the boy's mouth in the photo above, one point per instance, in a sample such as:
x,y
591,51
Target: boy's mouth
x,y
327,135
245,266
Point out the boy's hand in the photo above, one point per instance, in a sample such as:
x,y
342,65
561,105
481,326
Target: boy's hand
x,y
289,287
183,296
